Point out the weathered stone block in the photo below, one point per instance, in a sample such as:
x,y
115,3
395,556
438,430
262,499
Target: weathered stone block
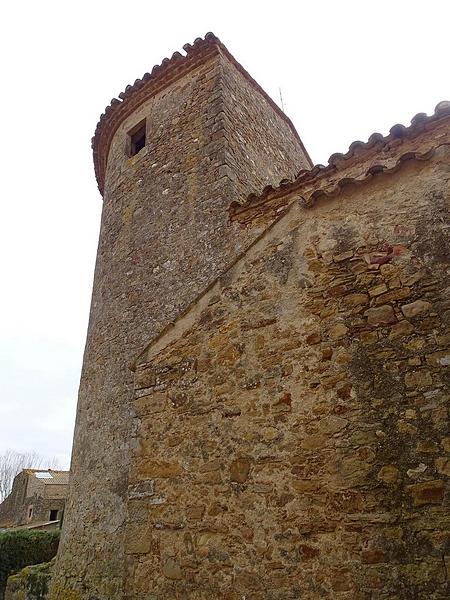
x,y
430,492
389,474
378,290
156,468
373,556
137,540
439,359
343,256
142,489
150,404
400,329
172,569
145,377
338,331
331,425
381,315
427,446
240,469
356,299
443,465
418,307
418,379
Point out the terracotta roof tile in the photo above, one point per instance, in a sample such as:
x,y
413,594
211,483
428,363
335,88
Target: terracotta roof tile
x,y
161,75
362,161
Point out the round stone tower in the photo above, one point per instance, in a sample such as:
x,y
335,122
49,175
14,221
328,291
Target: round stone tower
x,y
171,154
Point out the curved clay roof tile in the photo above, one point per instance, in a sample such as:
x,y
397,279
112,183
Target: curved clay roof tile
x,y
169,70
397,132
375,137
336,157
375,169
442,107
419,118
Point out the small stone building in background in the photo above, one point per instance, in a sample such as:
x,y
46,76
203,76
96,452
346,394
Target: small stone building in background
x,y
36,501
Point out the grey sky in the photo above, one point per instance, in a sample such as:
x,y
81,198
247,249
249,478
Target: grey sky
x,y
346,69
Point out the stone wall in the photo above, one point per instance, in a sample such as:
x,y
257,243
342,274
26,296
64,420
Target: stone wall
x,y
291,430
27,492
41,509
11,508
247,121
165,237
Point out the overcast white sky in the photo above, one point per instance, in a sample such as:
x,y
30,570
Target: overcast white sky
x,y
346,69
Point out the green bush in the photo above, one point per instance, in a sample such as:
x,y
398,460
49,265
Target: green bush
x,y
24,547
30,583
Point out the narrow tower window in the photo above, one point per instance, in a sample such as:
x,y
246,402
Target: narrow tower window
x,y
136,138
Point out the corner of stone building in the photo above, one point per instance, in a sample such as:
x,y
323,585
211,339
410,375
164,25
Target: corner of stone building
x,y
262,145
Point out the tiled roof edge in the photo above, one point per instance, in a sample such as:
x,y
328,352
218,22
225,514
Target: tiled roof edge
x,y
160,77
33,470
278,212
372,171
336,162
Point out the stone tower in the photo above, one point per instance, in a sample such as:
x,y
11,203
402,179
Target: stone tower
x,y
171,155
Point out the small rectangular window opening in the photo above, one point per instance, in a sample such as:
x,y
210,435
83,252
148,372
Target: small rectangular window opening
x,y
136,138
30,513
44,475
53,515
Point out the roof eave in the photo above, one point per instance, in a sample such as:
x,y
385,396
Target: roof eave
x,y
161,77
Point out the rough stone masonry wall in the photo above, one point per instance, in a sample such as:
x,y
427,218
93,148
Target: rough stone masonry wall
x,y
11,508
164,237
41,509
247,120
291,431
